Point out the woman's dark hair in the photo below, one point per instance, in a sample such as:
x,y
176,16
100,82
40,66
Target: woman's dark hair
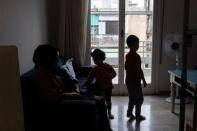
x,y
98,54
45,55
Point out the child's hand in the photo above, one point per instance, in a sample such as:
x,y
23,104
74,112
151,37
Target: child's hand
x,y
145,84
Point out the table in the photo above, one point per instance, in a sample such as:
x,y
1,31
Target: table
x,y
175,81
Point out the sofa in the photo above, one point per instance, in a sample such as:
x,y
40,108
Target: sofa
x,y
71,115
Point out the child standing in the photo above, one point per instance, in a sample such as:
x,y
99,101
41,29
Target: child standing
x,y
103,73
134,75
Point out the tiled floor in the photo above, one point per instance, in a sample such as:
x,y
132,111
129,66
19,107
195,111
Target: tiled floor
x,y
156,110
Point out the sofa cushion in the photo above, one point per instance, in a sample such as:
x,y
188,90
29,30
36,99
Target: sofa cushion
x,y
68,67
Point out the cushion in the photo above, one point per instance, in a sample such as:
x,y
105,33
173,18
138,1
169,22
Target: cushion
x,y
68,67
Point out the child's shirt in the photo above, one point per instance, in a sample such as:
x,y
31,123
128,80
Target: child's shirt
x,y
133,66
103,74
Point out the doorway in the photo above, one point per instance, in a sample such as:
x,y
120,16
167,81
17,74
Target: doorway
x,y
111,21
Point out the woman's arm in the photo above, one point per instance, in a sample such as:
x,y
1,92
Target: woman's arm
x,y
51,88
45,87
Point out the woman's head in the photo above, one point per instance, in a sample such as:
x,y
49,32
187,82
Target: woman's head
x,y
46,56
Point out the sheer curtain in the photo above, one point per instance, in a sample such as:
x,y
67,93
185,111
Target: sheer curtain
x,y
73,29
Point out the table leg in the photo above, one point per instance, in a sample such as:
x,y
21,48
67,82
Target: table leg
x,y
172,87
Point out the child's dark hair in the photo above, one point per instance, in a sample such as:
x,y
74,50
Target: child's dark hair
x,y
98,54
132,39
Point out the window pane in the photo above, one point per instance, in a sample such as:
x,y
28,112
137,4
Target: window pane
x,y
104,30
138,21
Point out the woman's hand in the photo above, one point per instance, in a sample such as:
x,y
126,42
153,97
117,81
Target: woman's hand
x,y
72,95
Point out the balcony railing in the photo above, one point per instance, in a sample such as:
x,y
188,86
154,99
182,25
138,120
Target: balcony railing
x,y
109,44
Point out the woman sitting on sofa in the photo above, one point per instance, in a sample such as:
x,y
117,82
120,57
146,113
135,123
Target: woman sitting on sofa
x,y
54,84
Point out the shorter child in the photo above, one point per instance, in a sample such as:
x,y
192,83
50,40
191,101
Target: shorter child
x,y
103,73
134,75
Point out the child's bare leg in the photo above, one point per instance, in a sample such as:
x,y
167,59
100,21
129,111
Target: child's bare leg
x,y
108,103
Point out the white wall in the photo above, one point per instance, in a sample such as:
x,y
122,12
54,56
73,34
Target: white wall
x,y
23,23
172,22
192,51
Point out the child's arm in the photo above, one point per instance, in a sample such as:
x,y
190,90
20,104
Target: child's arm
x,y
143,79
110,72
141,73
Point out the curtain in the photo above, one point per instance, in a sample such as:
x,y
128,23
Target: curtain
x,y
73,29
